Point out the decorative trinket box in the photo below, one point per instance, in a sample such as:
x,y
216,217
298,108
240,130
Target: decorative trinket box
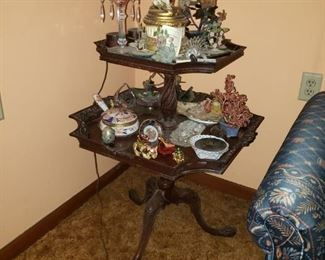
x,y
124,121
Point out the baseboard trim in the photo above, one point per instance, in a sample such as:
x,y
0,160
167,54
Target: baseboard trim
x,y
49,222
221,185
31,235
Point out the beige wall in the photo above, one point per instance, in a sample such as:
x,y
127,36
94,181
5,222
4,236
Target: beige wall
x,y
49,69
282,40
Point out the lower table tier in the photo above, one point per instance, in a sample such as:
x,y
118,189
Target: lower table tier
x,y
161,191
89,137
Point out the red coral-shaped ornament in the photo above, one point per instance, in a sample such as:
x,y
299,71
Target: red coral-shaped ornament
x,y
233,105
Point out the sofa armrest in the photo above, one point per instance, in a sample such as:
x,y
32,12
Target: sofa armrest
x,y
287,216
276,235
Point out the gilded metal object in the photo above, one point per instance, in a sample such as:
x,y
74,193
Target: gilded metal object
x,y
178,156
172,17
144,149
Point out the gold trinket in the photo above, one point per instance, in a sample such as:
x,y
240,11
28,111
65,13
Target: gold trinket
x,y
143,149
172,17
178,156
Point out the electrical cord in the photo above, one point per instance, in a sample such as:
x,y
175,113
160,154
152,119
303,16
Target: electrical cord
x,y
104,80
103,227
101,221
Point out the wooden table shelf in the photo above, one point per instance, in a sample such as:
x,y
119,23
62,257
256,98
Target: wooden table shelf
x,y
162,190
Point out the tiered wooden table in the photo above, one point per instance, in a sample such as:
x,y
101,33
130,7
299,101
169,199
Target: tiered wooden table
x,y
161,190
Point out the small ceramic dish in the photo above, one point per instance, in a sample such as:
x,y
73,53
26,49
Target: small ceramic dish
x,y
184,131
209,146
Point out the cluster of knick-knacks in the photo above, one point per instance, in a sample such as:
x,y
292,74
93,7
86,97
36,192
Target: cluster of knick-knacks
x,y
167,34
226,112
166,38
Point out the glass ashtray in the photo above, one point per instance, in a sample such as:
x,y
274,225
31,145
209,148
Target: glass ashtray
x,y
185,130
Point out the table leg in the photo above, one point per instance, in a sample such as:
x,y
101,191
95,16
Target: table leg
x,y
168,101
190,197
161,192
154,204
151,186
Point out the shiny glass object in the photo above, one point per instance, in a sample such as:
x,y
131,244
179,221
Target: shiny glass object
x,y
121,18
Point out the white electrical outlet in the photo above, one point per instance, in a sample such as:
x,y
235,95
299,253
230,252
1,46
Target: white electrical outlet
x,y
2,116
310,85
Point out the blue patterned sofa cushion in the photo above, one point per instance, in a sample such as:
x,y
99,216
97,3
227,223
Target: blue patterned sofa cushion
x,y
287,216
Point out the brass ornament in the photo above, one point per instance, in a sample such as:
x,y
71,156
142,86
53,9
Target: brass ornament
x,y
178,156
144,149
172,17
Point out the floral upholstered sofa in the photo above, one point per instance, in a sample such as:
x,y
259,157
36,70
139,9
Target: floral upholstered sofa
x,y
287,216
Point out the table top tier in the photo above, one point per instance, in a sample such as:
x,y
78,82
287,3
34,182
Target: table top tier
x,y
111,56
89,137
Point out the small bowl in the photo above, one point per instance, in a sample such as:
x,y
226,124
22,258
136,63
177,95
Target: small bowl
x,y
209,146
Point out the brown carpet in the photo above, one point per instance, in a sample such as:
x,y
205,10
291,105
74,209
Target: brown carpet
x,y
176,234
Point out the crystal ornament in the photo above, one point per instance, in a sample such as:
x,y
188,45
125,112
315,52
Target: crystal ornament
x,y
102,14
111,10
133,10
138,12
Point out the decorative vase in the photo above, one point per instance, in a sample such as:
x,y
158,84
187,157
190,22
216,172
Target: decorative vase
x,y
230,131
158,18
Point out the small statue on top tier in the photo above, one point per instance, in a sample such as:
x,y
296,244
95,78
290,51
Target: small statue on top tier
x,y
163,4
